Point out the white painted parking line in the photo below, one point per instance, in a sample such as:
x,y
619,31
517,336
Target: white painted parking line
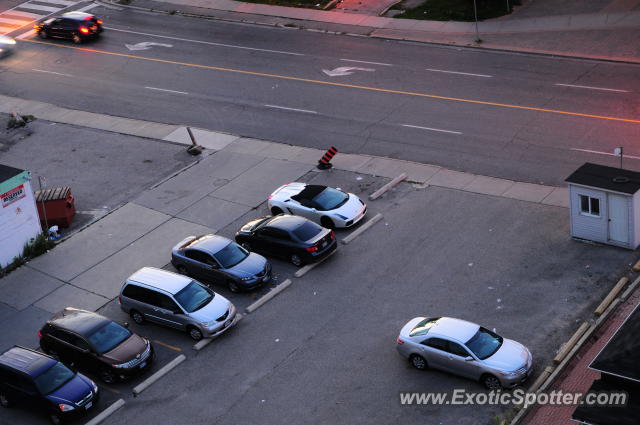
x,y
372,63
205,42
459,73
106,412
592,88
603,153
51,72
291,109
360,230
431,129
159,374
266,297
166,90
39,7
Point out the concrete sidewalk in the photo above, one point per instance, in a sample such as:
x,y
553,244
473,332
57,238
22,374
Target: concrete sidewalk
x,y
604,35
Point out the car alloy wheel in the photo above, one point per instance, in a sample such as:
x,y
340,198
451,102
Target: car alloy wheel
x,y
491,382
107,376
195,333
4,400
76,38
137,317
233,286
43,34
295,260
418,362
55,419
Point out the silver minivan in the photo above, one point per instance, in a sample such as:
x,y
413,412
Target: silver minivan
x,y
176,301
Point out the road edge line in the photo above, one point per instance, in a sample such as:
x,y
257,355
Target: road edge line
x,y
365,226
106,412
159,374
266,297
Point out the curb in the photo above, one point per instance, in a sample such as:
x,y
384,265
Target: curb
x,y
106,412
159,374
378,193
266,297
365,226
564,350
206,341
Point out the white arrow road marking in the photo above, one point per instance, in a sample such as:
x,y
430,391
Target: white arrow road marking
x,y
306,111
145,45
432,129
345,70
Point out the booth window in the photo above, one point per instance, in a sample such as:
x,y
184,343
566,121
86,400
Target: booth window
x,y
589,206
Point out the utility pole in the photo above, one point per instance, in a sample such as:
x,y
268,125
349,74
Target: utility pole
x,y
475,13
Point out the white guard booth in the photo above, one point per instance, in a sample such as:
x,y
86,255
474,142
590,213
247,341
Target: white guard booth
x,y
19,220
605,205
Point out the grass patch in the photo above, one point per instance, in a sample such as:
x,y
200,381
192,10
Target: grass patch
x,y
457,10
308,4
35,247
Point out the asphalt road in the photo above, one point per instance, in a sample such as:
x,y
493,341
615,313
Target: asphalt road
x,y
523,117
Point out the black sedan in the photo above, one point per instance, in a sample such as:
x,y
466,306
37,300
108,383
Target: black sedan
x,y
294,238
219,260
76,26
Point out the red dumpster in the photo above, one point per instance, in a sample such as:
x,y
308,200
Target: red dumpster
x,y
59,205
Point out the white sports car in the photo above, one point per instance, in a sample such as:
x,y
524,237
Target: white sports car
x,y
327,206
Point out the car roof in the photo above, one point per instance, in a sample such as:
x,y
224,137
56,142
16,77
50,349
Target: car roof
x,y
161,279
457,329
28,361
287,222
210,243
76,15
82,322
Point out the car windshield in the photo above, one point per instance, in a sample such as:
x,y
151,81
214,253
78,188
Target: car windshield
x,y
53,378
330,199
231,255
484,343
109,337
307,231
422,328
194,296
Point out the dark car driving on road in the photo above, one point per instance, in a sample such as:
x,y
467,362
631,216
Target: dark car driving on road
x,y
37,381
90,341
291,237
213,258
76,26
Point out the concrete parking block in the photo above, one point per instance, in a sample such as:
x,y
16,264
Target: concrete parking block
x,y
253,186
71,296
390,168
98,241
247,145
528,192
213,212
451,179
349,162
21,328
188,187
489,185
559,197
25,286
208,139
152,249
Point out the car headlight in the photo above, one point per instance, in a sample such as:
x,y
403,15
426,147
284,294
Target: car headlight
x,y
512,373
210,323
95,387
65,407
341,216
248,278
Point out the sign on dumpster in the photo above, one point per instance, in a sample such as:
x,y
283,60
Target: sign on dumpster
x,y
12,196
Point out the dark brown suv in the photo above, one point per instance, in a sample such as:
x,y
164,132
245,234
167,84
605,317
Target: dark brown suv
x,y
94,343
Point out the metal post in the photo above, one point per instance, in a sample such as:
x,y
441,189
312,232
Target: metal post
x,y
44,211
621,152
475,13
508,7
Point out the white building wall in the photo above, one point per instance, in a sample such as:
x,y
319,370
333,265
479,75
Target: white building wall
x,y
635,232
19,223
586,227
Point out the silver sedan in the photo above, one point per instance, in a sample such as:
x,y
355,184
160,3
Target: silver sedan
x,y
466,349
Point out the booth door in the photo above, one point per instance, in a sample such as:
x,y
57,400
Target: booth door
x,y
618,218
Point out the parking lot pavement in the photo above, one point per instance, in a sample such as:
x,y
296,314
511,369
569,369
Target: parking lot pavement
x,y
323,351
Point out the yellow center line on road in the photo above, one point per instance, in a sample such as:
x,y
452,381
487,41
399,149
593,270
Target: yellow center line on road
x,y
334,84
164,344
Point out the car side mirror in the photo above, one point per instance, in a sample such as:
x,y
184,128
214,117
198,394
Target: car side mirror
x,y
468,359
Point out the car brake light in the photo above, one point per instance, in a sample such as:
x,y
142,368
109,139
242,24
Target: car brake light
x,y
39,334
270,197
333,235
84,30
99,21
312,249
399,341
